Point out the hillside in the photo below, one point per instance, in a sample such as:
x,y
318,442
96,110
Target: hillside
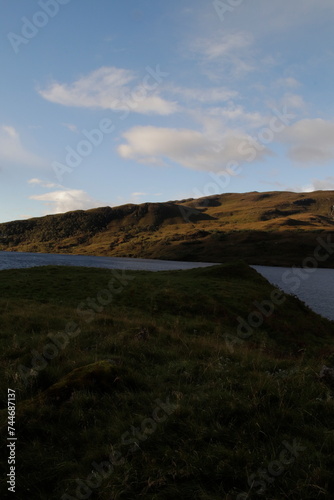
x,y
158,395
274,228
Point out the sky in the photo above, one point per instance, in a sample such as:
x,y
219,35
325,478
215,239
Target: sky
x,y
104,103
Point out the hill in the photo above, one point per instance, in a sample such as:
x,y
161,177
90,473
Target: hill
x,y
274,228
161,395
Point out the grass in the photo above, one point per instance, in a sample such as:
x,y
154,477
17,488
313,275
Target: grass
x,y
159,342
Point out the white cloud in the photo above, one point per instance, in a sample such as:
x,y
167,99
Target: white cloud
x,y
10,131
222,46
92,90
294,101
45,184
12,150
189,148
310,141
237,113
66,200
288,82
320,185
138,194
204,95
108,88
225,55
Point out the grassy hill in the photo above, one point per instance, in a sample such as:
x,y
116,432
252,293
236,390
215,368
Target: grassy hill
x,y
144,385
274,228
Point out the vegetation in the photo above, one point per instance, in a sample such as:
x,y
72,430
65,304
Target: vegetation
x,y
275,228
149,392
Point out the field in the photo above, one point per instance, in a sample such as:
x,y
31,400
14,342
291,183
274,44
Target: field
x,y
164,386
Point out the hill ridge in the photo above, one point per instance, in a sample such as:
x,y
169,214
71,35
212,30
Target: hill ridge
x,y
260,227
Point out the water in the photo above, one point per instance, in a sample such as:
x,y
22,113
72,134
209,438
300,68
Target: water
x,y
315,288
20,260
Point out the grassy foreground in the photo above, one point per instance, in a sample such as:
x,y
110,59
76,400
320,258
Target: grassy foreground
x,y
144,385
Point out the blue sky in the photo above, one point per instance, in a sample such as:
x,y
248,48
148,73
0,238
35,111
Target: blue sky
x,y
107,103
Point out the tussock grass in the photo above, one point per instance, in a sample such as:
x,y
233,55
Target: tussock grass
x,y
162,338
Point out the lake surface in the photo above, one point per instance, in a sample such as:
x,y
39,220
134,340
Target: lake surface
x,y
315,288
20,260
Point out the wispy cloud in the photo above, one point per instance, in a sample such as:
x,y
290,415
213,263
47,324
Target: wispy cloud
x,y
12,150
326,184
204,95
289,82
294,101
108,88
223,46
45,184
310,141
237,114
228,54
71,127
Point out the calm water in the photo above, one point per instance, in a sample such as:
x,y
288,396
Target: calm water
x,y
316,289
20,260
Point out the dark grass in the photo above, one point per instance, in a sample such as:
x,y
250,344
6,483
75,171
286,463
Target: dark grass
x,y
162,336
